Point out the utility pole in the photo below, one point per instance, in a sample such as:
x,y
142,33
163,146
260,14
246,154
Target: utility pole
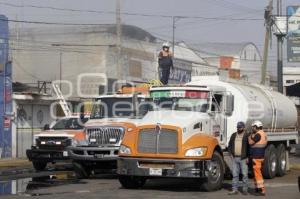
x,y
119,39
173,36
279,51
174,20
268,24
60,62
60,68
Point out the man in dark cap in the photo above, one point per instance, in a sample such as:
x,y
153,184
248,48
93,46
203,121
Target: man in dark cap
x,y
238,148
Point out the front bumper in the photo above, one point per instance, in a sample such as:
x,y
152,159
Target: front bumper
x,y
93,154
176,168
47,155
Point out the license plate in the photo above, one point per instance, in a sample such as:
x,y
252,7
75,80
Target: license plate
x,y
99,156
155,172
65,154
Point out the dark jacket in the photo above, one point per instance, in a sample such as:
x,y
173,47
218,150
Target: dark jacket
x,y
245,145
256,152
165,62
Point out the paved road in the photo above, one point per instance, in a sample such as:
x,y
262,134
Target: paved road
x,y
61,184
64,186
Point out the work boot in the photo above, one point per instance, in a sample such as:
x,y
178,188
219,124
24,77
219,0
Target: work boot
x,y
260,194
245,192
232,193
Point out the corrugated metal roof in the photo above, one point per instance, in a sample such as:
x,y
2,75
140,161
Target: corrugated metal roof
x,y
211,49
184,53
129,31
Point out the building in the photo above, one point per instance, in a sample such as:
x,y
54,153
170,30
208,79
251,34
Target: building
x,y
83,56
85,59
291,84
235,60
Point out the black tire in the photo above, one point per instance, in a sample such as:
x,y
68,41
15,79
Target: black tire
x,y
132,182
39,166
270,162
215,176
81,171
281,160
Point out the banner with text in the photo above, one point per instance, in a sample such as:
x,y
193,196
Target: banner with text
x,y
293,36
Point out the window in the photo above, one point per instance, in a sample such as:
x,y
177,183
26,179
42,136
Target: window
x,y
217,103
135,68
290,81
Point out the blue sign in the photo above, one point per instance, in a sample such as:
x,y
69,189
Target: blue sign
x,y
5,91
179,75
293,36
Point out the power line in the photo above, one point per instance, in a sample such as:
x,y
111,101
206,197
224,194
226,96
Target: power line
x,y
231,5
127,13
49,23
200,22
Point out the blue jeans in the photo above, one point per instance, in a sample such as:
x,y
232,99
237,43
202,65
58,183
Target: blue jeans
x,y
238,167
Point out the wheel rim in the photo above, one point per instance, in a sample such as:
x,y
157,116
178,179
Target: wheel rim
x,y
273,163
283,162
214,171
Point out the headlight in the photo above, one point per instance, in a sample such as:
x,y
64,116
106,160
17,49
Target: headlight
x,y
86,134
196,152
124,150
74,142
34,140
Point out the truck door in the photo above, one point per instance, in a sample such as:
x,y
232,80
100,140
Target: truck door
x,y
218,119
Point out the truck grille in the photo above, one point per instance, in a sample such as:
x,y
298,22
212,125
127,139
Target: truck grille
x,y
105,135
165,142
53,142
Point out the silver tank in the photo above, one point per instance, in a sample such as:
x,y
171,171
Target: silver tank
x,y
275,111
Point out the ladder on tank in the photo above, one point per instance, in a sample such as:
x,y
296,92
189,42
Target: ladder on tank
x,y
61,100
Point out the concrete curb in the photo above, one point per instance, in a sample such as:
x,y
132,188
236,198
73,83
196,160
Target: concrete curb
x,y
295,166
6,163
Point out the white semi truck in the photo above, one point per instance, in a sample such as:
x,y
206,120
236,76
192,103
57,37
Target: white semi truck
x,y
187,136
112,116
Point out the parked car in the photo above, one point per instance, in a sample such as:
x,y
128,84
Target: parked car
x,y
50,145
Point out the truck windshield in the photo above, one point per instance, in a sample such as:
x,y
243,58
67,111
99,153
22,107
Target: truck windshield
x,y
197,101
69,124
120,108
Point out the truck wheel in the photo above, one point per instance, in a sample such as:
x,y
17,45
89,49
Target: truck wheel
x,y
281,160
39,166
81,171
215,176
132,182
270,162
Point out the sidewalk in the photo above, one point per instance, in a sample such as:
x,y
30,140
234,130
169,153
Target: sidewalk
x,y
14,162
15,166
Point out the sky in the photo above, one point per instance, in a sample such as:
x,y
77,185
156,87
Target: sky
x,y
250,27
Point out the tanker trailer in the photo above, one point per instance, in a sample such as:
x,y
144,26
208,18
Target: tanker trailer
x,y
187,135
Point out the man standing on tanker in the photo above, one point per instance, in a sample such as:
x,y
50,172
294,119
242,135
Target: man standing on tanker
x,y
258,142
165,63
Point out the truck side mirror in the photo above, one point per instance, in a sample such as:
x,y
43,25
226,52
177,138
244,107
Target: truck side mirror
x,y
46,127
229,106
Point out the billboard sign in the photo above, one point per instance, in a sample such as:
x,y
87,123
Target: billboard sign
x,y
3,41
5,91
293,35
